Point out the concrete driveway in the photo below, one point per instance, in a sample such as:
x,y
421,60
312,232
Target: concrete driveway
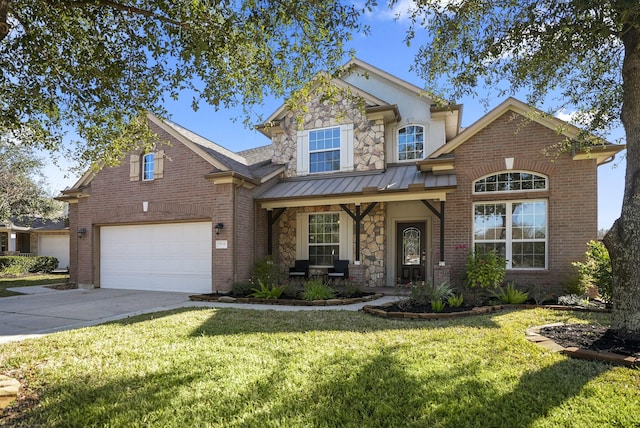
x,y
44,310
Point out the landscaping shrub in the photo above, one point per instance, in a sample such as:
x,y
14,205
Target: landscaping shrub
x,y
266,271
242,288
574,284
43,264
18,265
596,269
540,294
485,269
437,305
290,290
511,296
267,291
420,292
351,289
455,301
423,293
315,289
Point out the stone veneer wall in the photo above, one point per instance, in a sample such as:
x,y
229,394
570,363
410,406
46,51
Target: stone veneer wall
x,y
373,240
372,244
368,134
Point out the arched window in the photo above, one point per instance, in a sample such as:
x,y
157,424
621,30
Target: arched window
x,y
513,181
147,167
411,142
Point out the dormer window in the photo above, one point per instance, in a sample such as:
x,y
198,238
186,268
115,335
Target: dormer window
x,y
147,167
411,142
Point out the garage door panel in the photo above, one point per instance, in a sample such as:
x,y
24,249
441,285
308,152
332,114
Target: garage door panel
x,y
161,257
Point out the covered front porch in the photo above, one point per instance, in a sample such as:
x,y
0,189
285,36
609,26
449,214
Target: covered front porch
x,y
382,222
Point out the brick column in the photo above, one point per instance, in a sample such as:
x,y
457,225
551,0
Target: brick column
x,y
357,273
441,274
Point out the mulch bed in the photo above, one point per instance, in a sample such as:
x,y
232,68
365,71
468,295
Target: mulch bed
x,y
424,309
363,297
593,337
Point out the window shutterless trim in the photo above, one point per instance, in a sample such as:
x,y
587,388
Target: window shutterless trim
x,y
534,177
508,241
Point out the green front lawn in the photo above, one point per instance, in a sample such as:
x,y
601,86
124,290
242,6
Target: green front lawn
x,y
27,281
251,368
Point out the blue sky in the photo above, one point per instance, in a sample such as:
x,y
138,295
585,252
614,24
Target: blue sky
x,y
383,48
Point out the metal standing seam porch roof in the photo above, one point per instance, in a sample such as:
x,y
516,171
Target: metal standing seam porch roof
x,y
396,183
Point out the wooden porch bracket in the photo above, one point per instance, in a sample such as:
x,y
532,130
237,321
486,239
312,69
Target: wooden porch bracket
x,y
440,216
357,218
271,220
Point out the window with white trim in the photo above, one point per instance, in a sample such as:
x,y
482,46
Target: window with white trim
x,y
325,150
516,230
410,142
322,237
147,166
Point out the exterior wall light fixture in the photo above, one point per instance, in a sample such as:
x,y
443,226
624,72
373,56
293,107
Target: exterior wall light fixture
x,y
218,227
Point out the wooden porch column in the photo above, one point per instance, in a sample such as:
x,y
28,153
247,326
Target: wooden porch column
x,y
440,216
271,219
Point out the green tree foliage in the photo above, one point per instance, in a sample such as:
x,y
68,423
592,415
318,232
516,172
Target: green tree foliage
x,y
22,187
586,53
97,65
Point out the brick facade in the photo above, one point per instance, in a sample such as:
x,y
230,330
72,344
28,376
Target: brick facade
x,y
182,194
572,197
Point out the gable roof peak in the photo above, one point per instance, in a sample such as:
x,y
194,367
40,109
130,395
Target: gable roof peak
x,y
532,113
199,139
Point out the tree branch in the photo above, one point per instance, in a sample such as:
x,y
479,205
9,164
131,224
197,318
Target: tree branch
x,y
125,8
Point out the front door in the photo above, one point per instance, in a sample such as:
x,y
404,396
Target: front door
x,y
410,251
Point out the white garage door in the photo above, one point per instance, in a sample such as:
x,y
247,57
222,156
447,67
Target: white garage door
x,y
55,246
158,257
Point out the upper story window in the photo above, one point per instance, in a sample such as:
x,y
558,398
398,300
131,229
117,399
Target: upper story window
x,y
517,181
411,142
325,150
147,166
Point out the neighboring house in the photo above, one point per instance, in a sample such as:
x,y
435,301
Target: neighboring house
x,y
38,237
382,178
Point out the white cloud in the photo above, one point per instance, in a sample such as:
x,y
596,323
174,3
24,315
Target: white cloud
x,y
563,114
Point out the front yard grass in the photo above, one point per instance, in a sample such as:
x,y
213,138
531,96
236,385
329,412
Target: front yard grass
x,y
28,281
251,368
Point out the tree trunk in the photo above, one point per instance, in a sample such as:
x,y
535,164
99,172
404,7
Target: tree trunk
x,y
623,240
